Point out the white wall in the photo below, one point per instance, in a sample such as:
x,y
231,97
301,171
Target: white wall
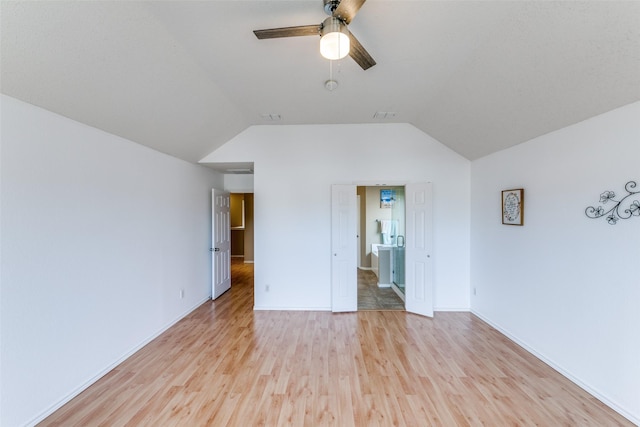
x,y
98,237
563,285
238,183
294,169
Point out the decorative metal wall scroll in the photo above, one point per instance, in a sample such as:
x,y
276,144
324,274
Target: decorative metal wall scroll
x,y
623,208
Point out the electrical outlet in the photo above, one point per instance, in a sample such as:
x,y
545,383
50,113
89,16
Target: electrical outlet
x,y
266,288
474,291
181,293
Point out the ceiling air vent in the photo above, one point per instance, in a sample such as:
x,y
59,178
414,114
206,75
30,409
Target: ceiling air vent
x,y
385,115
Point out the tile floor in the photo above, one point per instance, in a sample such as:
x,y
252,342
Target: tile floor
x,y
371,297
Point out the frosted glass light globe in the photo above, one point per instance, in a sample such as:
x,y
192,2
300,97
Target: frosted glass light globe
x,y
334,43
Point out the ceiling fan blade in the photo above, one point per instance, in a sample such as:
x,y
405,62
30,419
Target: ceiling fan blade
x,y
347,9
360,54
274,33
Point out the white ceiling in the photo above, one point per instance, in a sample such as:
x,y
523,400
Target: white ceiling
x,y
184,77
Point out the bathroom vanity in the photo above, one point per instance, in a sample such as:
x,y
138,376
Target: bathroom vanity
x,y
382,263
387,262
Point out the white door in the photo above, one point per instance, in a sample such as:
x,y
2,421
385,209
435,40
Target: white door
x,y
418,262
344,281
221,242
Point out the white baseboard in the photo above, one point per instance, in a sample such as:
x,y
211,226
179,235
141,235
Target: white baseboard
x,y
109,368
586,387
453,309
274,308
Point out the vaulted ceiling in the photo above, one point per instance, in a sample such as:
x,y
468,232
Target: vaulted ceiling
x,y
184,77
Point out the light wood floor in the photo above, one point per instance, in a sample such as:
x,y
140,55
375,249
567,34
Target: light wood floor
x,y
226,365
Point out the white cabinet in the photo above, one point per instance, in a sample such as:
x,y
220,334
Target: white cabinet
x,y
382,264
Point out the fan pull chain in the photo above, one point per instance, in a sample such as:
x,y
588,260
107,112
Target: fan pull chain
x,y
330,84
330,69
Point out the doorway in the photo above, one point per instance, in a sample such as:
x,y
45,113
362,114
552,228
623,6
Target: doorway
x,y
418,248
232,263
241,223
381,222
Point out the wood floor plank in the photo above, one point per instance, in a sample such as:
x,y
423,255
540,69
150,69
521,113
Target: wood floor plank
x,y
226,365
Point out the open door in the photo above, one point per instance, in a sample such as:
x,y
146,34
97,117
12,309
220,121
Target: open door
x,y
419,280
221,242
344,279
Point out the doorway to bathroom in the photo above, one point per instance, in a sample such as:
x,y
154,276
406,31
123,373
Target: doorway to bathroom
x,y
381,246
417,254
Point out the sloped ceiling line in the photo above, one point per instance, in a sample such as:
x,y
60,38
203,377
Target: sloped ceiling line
x,y
186,77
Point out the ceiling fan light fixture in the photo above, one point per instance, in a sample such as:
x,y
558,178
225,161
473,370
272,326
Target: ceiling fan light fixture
x,y
334,41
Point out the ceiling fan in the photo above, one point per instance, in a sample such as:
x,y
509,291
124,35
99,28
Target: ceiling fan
x,y
336,41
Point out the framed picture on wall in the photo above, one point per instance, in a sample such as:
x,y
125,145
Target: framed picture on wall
x,y
513,207
387,198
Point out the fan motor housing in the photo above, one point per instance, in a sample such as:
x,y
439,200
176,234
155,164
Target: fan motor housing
x,y
330,6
